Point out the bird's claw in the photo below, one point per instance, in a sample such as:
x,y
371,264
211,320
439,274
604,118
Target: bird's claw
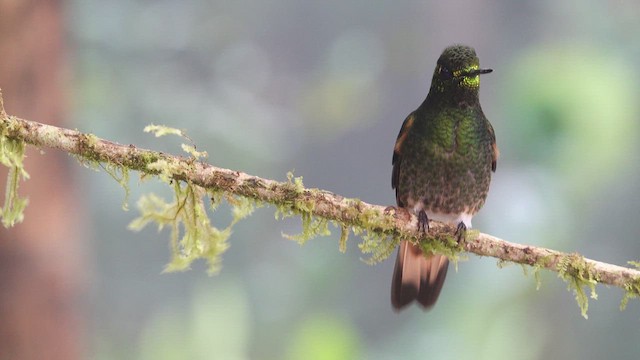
x,y
423,221
461,231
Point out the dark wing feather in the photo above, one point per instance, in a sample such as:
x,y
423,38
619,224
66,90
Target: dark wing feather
x,y
397,152
494,147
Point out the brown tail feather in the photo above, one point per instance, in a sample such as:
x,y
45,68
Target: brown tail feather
x,y
416,277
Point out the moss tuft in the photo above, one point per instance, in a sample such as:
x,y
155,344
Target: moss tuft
x,y
12,156
191,150
312,227
162,130
635,264
632,291
631,287
344,236
578,274
379,245
192,235
242,207
298,186
292,205
121,175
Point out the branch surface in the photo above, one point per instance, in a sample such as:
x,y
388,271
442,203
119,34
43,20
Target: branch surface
x,y
326,205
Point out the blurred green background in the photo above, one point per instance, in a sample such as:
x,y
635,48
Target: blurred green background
x,y
322,88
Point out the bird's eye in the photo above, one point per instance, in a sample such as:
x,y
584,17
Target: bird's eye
x,y
445,74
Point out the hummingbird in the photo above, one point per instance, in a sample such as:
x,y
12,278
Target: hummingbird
x,y
442,163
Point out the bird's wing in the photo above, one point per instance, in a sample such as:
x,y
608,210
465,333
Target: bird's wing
x,y
494,147
397,152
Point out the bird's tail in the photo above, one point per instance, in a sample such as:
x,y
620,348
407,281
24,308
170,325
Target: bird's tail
x,y
417,277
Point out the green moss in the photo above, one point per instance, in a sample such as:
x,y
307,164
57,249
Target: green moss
x,y
191,150
379,246
312,227
242,207
86,147
121,175
90,139
298,186
298,201
534,269
192,235
344,236
376,230
165,169
631,287
578,274
632,291
12,156
635,264
161,130
536,276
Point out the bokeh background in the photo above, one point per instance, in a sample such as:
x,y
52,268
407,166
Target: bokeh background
x,y
321,88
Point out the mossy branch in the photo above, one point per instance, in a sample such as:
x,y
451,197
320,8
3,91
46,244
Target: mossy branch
x,y
380,227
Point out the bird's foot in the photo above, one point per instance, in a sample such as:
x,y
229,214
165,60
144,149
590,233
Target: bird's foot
x,y
423,221
461,231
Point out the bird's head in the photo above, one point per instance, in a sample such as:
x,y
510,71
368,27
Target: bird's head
x,y
458,70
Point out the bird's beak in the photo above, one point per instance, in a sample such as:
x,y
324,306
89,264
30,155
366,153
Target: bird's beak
x,y
479,72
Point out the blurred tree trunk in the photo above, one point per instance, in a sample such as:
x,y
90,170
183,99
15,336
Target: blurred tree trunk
x,y
41,272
